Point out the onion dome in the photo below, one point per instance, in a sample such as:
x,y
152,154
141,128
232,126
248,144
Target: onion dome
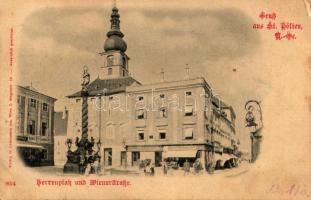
x,y
114,42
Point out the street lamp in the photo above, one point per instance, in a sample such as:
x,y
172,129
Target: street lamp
x,y
69,143
255,126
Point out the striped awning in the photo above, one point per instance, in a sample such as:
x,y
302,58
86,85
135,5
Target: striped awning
x,y
30,146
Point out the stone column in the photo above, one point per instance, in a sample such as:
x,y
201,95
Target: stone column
x,y
84,116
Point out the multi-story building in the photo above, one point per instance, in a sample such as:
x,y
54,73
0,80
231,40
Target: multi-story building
x,y
34,126
171,119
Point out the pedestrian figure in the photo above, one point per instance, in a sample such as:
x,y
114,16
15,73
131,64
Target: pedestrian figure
x,y
81,164
147,169
152,170
165,168
186,167
197,166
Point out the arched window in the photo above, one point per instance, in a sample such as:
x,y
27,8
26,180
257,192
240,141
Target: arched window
x,y
109,61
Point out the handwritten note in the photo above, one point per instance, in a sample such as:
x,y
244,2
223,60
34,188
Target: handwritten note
x,y
294,190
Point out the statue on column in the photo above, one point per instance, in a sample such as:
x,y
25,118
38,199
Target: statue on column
x,y
83,157
86,78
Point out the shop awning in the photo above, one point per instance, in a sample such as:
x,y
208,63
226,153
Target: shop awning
x,y
30,146
180,154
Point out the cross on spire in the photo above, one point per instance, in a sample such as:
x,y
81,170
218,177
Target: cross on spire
x,y
187,71
162,74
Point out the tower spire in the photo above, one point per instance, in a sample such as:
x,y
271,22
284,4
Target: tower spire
x,y
116,61
115,41
114,3
115,22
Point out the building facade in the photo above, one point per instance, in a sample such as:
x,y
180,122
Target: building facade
x,y
34,126
179,120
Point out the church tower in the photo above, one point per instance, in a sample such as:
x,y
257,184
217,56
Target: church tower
x,y
115,59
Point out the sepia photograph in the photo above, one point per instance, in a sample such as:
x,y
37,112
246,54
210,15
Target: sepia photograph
x,y
152,99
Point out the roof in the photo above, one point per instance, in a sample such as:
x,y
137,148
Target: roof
x,y
60,123
111,86
32,89
217,101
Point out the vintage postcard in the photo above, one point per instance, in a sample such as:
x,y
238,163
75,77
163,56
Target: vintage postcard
x,y
153,99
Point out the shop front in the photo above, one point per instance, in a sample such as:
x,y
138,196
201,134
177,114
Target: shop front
x,y
31,154
175,155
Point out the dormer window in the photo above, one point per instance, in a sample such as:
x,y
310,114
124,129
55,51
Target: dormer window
x,y
109,61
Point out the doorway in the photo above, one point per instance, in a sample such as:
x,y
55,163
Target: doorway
x,y
158,158
108,157
135,158
123,158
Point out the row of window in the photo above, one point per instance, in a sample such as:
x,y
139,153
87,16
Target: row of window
x,y
162,96
35,103
92,99
31,128
188,134
32,103
139,98
110,61
162,135
110,71
162,113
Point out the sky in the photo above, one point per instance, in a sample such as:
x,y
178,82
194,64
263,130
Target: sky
x,y
216,41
